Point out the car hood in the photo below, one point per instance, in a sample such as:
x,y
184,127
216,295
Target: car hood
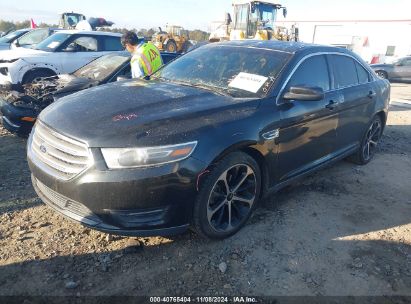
x,y
141,113
69,83
4,46
21,53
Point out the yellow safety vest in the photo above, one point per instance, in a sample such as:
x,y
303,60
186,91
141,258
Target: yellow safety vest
x,y
149,58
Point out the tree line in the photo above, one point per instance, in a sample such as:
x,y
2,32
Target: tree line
x,y
197,35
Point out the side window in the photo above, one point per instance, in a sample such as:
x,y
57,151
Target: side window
x,y
407,62
83,44
363,75
112,44
345,72
313,72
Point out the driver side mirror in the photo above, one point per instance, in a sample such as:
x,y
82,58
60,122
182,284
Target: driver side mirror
x,y
398,64
285,12
70,49
228,19
304,93
16,43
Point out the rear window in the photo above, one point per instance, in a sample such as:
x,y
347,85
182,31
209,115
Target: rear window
x,y
345,72
112,44
313,72
363,75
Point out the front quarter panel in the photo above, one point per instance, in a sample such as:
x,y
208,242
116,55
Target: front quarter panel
x,y
246,130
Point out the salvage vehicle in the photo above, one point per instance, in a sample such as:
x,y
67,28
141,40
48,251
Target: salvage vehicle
x,y
61,53
7,40
398,70
33,37
204,139
19,109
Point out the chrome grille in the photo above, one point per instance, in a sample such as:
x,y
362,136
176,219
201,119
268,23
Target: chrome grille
x,y
62,156
63,202
65,205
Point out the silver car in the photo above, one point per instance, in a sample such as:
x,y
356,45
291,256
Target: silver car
x,y
398,70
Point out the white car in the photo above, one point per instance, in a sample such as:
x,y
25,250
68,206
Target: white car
x,y
61,53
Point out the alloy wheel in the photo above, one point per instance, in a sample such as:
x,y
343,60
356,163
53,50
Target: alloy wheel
x,y
372,139
232,198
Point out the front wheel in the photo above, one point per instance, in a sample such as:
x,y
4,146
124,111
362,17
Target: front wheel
x,y
382,74
35,76
171,46
369,142
228,196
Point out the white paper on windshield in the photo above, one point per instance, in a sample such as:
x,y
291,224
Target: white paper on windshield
x,y
53,44
248,82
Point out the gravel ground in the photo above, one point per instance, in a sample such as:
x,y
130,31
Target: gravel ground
x,y
345,231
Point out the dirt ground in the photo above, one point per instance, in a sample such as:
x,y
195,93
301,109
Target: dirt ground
x,y
345,230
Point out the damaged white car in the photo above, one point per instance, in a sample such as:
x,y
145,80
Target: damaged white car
x,y
61,53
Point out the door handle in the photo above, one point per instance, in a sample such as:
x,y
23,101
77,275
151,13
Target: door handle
x,y
331,105
371,94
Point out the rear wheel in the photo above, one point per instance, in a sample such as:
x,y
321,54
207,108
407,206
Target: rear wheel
x,y
228,196
369,143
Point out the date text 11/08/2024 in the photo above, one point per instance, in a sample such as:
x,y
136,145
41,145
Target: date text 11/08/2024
x,y
203,300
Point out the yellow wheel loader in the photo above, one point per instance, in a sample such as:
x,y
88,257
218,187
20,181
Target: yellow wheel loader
x,y
174,40
254,20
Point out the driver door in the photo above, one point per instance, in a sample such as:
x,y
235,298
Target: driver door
x,y
79,51
403,71
308,128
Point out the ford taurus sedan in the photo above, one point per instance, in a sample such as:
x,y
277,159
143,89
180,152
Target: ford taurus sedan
x,y
204,139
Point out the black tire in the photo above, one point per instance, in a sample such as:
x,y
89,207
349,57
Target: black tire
x,y
171,46
232,206
369,142
37,75
382,74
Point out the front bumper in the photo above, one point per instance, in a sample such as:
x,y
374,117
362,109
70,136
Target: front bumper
x,y
155,201
11,117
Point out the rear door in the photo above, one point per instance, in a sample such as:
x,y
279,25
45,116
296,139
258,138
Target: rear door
x,y
353,82
308,128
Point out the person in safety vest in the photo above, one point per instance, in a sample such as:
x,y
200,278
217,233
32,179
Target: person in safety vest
x,y
146,58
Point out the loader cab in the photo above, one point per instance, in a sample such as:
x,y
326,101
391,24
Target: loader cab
x,y
250,16
70,20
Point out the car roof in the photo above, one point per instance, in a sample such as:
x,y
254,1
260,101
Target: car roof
x,y
281,46
97,33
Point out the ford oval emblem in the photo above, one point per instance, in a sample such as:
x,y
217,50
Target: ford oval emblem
x,y
43,148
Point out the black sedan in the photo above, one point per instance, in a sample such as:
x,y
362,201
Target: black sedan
x,y
204,139
21,108
399,70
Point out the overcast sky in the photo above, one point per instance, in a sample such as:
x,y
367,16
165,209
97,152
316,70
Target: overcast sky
x,y
194,14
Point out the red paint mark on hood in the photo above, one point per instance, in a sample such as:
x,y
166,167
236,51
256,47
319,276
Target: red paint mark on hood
x,y
129,116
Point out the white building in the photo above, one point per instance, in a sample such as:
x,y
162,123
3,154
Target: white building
x,y
385,39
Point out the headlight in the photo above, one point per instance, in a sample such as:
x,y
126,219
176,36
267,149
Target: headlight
x,y
8,60
119,158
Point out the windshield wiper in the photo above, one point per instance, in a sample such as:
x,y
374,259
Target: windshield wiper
x,y
214,89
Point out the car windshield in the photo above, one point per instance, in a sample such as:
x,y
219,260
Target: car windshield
x,y
102,67
51,43
33,37
236,71
10,37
